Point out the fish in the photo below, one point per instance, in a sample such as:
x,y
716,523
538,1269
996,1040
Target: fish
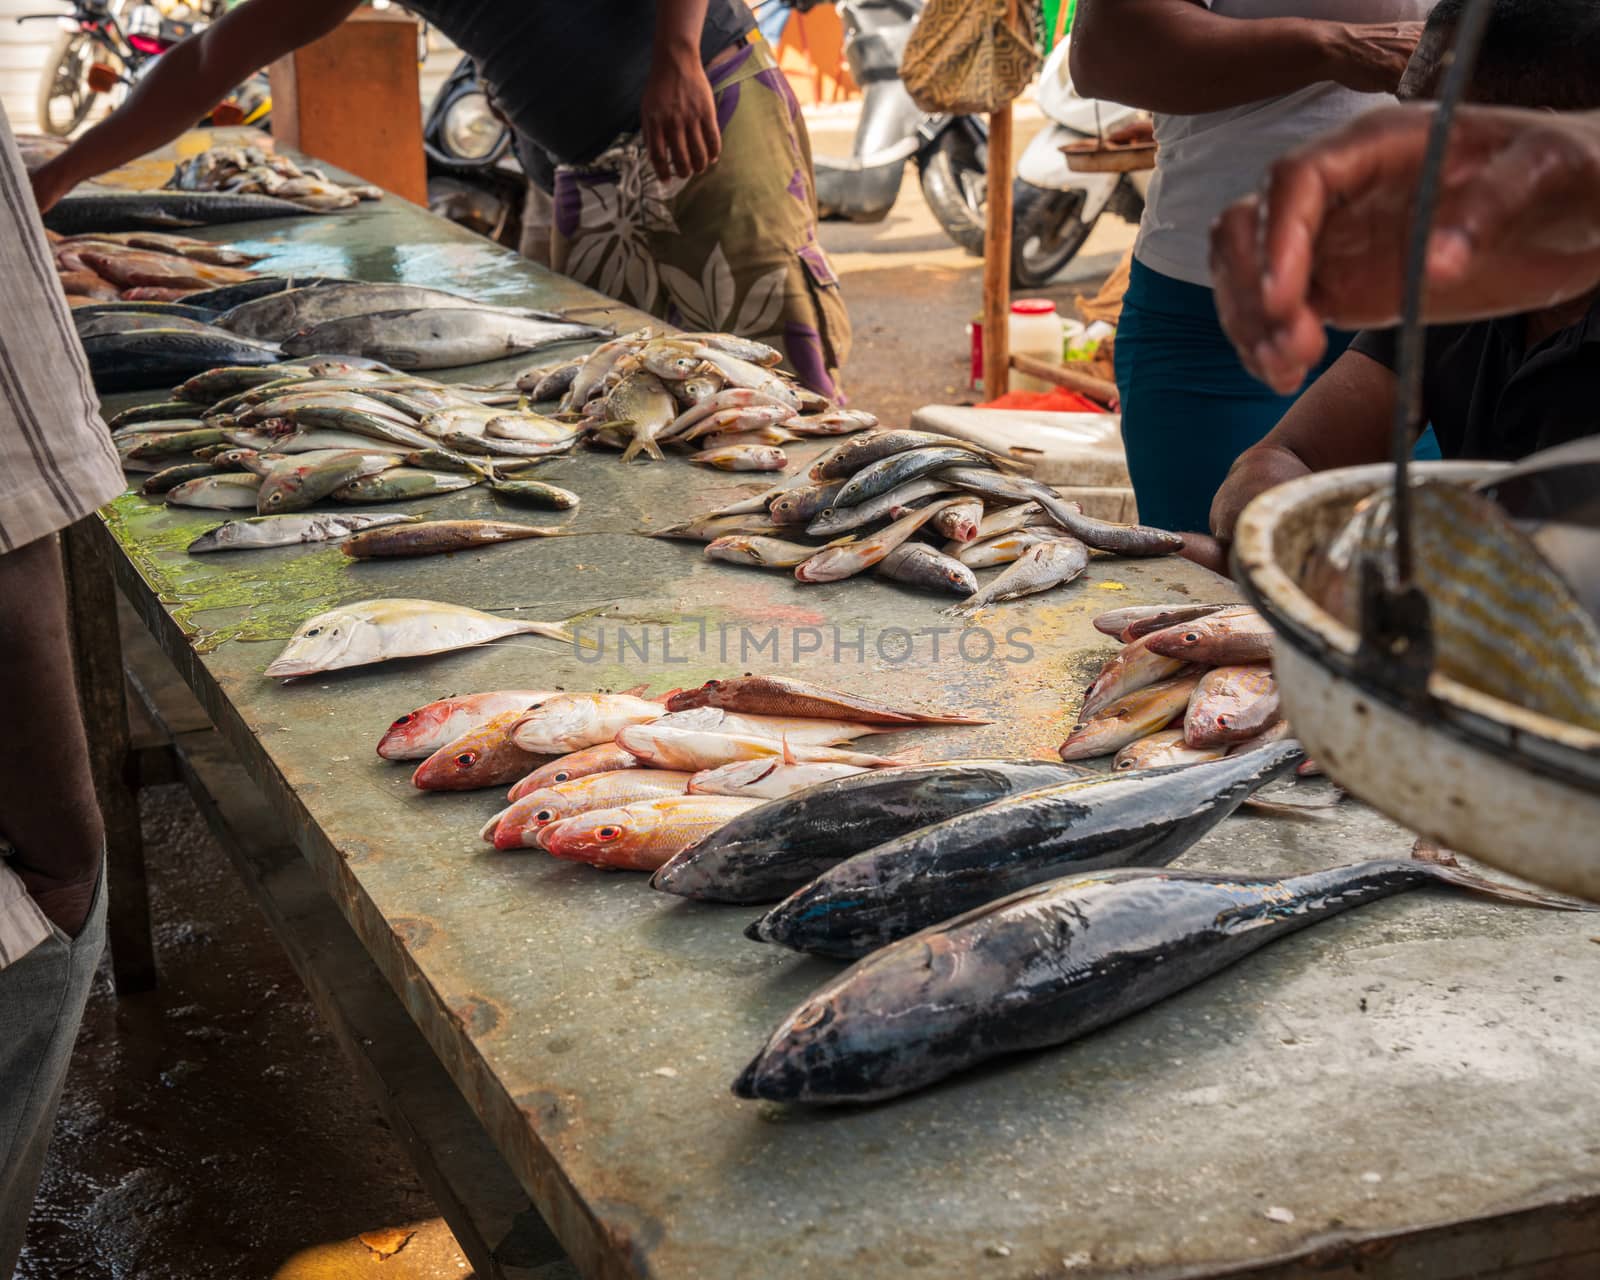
x,y
766,779
1052,963
789,729
774,850
149,358
283,313
710,528
1162,748
670,747
520,825
642,402
741,373
534,493
763,553
959,522
381,630
746,437
726,400
92,326
643,835
919,565
573,721
1002,548
1224,639
1041,567
692,391
435,337
670,359
1149,617
527,428
230,491
607,757
598,365
897,469
162,481
1129,718
743,457
1231,704
434,537
1275,732
215,385
299,481
400,484
1110,820
1133,667
98,210
833,422
125,307
483,756
799,504
747,418
417,734
146,414
855,455
132,268
1021,515
783,696
832,520
549,382
842,561
1103,535
737,345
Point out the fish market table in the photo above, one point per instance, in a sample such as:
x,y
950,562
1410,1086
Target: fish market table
x,y
1408,1089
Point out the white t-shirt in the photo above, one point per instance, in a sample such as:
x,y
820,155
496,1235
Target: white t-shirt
x,y
1207,162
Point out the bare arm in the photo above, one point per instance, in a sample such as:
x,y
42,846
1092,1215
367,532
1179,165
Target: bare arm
x,y
678,111
1342,420
1177,56
186,82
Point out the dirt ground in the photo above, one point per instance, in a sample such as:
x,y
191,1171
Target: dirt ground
x,y
211,1129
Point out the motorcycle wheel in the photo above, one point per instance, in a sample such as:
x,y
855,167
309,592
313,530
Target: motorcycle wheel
x,y
65,98
1047,230
954,185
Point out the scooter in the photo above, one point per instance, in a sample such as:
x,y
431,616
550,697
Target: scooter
x,y
1053,207
951,152
474,177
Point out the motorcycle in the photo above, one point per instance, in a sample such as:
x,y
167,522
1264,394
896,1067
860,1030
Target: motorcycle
x,y
1053,207
104,50
474,177
951,152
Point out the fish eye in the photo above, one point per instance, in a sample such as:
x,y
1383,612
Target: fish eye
x,y
1191,637
544,816
607,832
273,499
467,759
563,776
403,720
1224,721
315,631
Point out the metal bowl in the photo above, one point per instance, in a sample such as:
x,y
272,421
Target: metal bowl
x,y
1511,787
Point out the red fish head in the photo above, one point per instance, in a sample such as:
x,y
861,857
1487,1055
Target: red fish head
x,y
521,824
401,737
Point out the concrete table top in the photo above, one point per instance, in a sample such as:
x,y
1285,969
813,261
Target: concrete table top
x,y
1377,1093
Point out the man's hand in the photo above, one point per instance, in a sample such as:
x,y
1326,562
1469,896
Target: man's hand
x,y
679,115
1371,57
1257,469
1518,228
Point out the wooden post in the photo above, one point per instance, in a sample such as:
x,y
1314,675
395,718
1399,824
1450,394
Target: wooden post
x,y
102,695
353,99
997,260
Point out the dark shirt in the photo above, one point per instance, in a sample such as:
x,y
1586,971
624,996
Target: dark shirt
x,y
569,74
1489,397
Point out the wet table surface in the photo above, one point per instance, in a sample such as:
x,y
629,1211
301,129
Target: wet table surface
x,y
1424,1061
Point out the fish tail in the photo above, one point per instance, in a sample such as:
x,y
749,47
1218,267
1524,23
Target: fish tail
x,y
1453,876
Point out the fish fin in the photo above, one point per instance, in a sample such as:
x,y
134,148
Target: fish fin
x,y
550,630
788,755
690,788
1493,889
1276,809
636,691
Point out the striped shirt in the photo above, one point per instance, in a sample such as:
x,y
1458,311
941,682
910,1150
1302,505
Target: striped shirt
x,y
56,459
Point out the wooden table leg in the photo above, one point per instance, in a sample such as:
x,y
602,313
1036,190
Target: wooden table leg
x,y
97,656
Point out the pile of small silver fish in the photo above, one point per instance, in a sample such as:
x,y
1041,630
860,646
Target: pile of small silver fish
x,y
716,393
1192,683
870,502
261,171
278,440
626,782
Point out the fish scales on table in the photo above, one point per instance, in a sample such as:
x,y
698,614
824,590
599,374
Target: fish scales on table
x,y
785,844
1108,820
1052,963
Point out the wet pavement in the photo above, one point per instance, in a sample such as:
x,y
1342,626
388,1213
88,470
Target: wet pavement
x,y
210,1129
